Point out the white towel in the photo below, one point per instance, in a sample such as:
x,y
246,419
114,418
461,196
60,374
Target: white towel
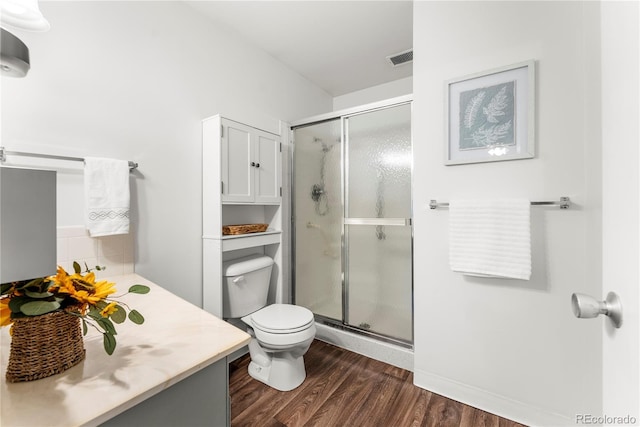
x,y
490,238
106,185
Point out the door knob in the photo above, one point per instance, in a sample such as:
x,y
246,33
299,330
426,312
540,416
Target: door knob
x,y
585,307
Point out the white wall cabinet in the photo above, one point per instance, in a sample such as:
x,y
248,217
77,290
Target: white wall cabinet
x,y
236,192
251,164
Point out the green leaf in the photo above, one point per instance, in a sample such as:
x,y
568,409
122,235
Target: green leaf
x,y
76,268
94,313
5,287
37,294
36,308
16,302
136,317
120,315
139,289
107,325
18,315
35,285
109,342
85,328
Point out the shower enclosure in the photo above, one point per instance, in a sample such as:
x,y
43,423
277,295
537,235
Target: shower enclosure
x,y
352,240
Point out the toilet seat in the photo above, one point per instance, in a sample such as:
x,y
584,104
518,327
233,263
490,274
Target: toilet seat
x,y
282,319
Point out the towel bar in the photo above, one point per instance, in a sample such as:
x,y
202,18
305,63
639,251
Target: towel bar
x,y
4,153
564,203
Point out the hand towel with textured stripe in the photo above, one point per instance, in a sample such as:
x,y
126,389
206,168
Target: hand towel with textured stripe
x,y
106,186
490,238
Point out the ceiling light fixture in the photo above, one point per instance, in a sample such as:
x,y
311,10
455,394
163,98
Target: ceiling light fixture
x,y
23,15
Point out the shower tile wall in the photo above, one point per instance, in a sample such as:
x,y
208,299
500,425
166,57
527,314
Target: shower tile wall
x,y
113,252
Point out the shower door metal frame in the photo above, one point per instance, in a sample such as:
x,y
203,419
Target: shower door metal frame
x,y
343,115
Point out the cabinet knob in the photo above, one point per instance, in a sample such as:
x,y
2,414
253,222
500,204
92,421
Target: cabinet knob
x,y
253,163
257,165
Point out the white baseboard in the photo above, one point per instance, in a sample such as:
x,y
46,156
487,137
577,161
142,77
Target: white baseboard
x,y
490,402
384,352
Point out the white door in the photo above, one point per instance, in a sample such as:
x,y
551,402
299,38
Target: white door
x,y
620,214
267,170
237,171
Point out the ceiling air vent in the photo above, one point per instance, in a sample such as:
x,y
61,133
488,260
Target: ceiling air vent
x,y
400,58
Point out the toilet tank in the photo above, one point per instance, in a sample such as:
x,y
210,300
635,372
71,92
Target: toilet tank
x,y
246,285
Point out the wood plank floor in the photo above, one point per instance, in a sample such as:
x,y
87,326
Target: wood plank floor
x,y
343,389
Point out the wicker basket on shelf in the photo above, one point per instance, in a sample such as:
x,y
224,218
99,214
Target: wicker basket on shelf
x,y
44,345
243,229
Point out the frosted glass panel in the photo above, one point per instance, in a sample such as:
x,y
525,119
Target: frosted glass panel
x,y
379,164
378,265
317,187
379,292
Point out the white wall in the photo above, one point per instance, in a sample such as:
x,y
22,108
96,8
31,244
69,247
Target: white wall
x,y
377,93
132,80
507,346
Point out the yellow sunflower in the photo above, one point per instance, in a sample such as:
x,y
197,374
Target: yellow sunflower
x,y
109,309
5,312
61,281
83,289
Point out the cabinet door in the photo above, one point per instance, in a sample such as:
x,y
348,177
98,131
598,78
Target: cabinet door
x,y
268,168
237,172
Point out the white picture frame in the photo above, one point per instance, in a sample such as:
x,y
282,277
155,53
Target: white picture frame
x,y
490,116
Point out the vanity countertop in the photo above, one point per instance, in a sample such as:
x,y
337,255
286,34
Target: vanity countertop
x,y
176,340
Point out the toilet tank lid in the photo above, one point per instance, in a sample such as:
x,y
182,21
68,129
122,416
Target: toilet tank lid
x,y
236,267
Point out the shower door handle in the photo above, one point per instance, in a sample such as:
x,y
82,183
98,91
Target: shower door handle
x,y
401,222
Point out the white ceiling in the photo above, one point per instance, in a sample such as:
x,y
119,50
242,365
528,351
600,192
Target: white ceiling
x,y
340,46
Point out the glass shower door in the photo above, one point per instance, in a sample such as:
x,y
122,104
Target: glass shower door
x,y
317,203
377,222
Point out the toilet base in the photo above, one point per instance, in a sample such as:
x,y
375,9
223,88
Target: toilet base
x,y
284,372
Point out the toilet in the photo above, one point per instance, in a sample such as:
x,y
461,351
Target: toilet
x,y
280,333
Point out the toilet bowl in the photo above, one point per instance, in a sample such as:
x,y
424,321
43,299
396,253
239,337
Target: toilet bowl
x,y
280,336
280,333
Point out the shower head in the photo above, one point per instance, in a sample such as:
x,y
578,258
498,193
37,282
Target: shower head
x,y
326,147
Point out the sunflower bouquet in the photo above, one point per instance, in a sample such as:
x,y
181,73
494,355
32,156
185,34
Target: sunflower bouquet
x,y
76,294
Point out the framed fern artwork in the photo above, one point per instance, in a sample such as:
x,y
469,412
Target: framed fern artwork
x,y
490,115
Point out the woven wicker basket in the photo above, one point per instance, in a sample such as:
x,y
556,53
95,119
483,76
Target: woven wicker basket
x,y
244,229
44,345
